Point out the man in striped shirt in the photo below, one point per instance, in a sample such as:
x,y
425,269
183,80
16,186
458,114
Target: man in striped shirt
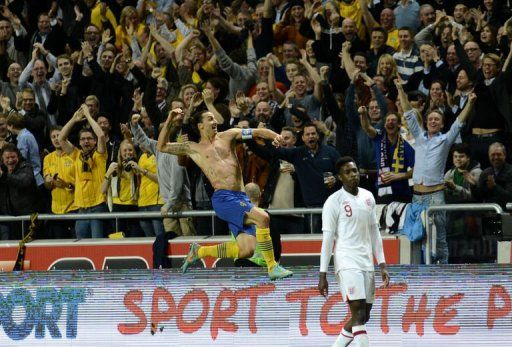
x,y
407,57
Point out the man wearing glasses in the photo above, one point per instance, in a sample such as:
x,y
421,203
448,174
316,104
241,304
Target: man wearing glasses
x,y
90,167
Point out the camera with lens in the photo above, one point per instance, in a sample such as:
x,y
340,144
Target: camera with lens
x,y
249,24
126,164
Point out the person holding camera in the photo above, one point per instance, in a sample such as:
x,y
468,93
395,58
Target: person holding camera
x,y
59,179
121,186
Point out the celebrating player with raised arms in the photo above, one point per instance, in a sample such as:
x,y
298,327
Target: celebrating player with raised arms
x,y
215,155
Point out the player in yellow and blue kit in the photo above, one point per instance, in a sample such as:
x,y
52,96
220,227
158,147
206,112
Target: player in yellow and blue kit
x,y
215,155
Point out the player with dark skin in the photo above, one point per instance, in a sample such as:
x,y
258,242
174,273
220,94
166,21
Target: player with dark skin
x,y
360,309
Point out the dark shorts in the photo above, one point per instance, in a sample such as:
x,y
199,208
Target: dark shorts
x,y
231,206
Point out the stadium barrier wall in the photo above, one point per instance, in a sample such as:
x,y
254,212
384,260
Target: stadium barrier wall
x,y
424,306
137,253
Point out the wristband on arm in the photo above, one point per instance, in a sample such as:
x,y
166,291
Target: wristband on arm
x,y
246,134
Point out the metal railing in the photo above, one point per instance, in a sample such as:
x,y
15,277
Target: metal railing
x,y
453,207
138,215
292,211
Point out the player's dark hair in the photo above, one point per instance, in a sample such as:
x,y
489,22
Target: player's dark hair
x,y
344,160
195,119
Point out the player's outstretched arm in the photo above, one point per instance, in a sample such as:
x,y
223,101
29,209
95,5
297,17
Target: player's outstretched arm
x,y
176,148
249,134
267,134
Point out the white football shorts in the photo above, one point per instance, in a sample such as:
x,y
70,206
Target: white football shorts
x,y
357,285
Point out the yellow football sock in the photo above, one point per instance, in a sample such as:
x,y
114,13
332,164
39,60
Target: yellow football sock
x,y
265,243
222,250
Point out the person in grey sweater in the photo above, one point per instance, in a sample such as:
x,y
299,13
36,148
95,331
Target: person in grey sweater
x,y
241,76
173,182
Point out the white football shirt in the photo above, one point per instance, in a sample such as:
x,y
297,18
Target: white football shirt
x,y
352,222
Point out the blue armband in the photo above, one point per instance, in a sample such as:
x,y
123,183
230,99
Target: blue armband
x,y
246,134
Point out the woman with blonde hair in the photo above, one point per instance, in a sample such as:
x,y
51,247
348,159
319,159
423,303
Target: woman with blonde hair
x,y
121,185
187,92
129,25
386,67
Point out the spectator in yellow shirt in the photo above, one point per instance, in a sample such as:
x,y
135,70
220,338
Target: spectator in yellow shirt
x,y
102,17
387,21
129,25
150,199
59,178
121,184
89,171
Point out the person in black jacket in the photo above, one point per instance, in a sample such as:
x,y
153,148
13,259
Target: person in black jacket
x,y
491,120
17,187
314,165
53,38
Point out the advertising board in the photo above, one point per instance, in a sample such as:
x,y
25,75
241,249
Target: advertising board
x,y
424,306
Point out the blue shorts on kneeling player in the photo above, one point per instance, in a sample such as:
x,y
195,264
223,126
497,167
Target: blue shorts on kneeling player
x,y
231,206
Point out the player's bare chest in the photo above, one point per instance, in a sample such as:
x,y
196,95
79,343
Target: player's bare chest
x,y
216,152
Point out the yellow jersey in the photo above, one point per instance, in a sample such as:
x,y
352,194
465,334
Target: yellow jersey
x,y
88,182
62,164
97,19
149,193
126,195
393,39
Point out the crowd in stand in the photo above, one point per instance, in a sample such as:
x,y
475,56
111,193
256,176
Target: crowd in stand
x,y
418,92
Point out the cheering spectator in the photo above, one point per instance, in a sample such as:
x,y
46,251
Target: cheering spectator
x,y
173,181
89,171
394,157
407,56
431,151
26,144
315,167
11,87
288,28
59,178
495,182
17,185
51,37
129,25
464,176
387,22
